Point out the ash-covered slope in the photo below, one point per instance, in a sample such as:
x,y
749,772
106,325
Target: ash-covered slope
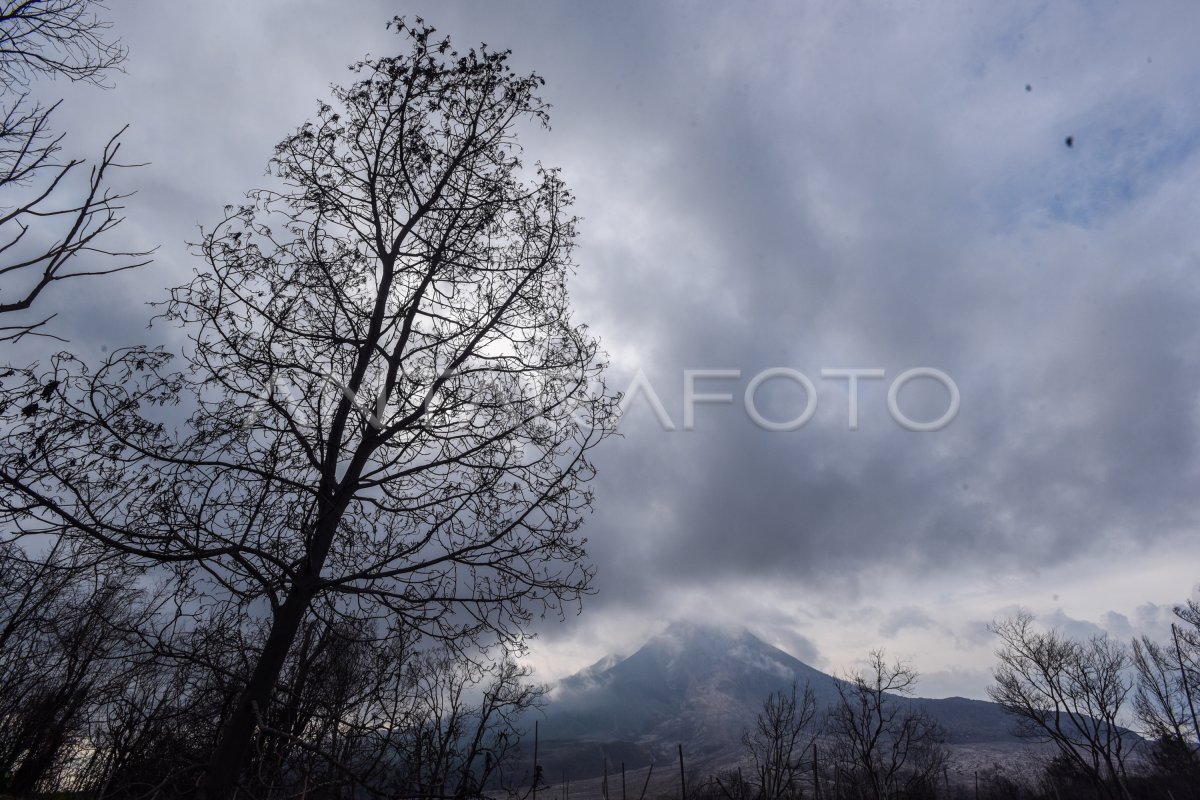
x,y
691,683
701,686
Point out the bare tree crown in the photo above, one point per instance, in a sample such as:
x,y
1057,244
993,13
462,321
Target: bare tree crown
x,y
54,221
56,38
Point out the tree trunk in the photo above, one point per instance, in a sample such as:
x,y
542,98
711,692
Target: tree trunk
x,y
229,756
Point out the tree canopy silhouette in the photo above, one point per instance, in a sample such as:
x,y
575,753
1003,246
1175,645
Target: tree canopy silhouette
x,y
391,408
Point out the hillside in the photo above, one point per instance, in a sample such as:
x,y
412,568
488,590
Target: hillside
x,y
702,686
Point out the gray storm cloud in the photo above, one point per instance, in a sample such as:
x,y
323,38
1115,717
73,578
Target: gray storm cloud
x,y
762,186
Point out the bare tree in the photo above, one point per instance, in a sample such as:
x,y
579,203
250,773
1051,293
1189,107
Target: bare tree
x,y
406,279
464,726
781,742
64,656
1165,700
98,696
1162,704
53,219
885,744
358,713
55,38
1185,641
1067,693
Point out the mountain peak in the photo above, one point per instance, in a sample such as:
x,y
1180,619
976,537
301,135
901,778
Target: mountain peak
x,y
703,684
720,648
699,637
691,679
690,629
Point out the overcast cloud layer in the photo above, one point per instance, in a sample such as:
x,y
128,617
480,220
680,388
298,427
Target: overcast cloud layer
x,y
805,186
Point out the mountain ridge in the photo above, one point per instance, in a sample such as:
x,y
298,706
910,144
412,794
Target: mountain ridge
x,y
702,685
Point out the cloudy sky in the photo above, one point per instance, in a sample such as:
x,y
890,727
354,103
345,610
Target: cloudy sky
x,y
807,186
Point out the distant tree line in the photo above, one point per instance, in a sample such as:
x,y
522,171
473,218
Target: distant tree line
x,y
110,687
113,684
871,743
1111,721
